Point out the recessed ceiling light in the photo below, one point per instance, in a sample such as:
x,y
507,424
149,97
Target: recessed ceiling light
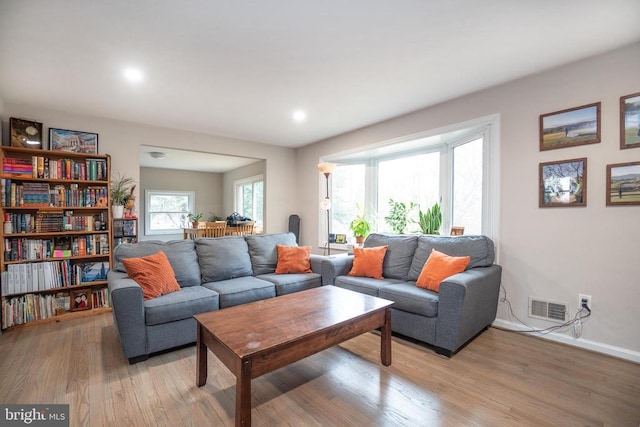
x,y
133,75
299,116
157,155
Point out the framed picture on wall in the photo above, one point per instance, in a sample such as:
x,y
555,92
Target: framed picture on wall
x,y
74,141
571,127
563,183
630,121
25,133
623,184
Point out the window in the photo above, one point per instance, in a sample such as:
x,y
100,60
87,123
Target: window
x,y
249,198
451,167
166,211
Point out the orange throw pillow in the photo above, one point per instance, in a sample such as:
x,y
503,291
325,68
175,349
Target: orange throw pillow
x,y
153,273
438,267
367,262
293,259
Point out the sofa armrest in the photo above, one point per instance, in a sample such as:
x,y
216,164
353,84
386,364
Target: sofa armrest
x,y
127,302
316,263
333,267
468,303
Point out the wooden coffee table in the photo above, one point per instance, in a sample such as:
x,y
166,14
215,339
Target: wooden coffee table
x,y
256,338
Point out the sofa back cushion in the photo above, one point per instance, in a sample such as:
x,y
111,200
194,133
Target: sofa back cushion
x,y
399,256
479,248
181,254
223,258
263,253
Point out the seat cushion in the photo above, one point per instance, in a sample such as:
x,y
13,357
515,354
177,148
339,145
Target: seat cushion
x,y
242,290
364,285
399,254
262,249
181,254
289,283
223,258
179,305
408,297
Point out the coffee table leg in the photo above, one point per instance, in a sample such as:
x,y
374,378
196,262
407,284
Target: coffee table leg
x,y
385,339
201,359
243,395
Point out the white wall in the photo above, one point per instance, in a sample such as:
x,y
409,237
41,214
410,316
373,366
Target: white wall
x,y
122,140
552,253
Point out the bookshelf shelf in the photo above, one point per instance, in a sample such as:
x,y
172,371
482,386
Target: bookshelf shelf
x,y
56,236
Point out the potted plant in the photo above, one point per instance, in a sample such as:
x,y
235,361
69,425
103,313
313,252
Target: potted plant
x,y
398,217
431,220
360,227
195,219
121,189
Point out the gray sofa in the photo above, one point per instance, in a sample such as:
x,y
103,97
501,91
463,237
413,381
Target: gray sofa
x,y
465,305
213,273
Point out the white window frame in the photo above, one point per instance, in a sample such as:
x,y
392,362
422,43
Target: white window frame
x,y
244,181
486,128
191,195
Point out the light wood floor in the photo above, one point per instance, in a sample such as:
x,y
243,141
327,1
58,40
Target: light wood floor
x,y
499,379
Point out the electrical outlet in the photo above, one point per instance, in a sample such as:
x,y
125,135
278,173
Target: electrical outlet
x,y
584,299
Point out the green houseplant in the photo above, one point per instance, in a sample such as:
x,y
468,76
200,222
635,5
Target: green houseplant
x,y
431,220
121,189
398,217
360,227
195,219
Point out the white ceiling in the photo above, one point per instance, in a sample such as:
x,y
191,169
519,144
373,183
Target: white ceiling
x,y
240,68
191,160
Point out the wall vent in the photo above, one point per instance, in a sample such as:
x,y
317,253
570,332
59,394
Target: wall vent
x,y
554,311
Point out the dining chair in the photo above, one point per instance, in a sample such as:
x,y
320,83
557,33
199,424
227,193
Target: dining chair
x,y
215,229
243,228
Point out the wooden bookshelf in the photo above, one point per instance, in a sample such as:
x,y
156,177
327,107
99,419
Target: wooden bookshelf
x,y
56,236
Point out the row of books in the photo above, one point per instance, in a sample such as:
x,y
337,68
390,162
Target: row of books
x,y
42,276
32,307
124,228
49,222
40,194
25,249
45,168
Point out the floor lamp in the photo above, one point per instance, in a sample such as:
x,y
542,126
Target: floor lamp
x,y
327,169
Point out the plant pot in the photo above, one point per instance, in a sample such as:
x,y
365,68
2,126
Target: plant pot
x,y
359,239
195,224
117,211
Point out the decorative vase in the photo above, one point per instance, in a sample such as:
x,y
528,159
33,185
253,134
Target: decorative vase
x,y
117,211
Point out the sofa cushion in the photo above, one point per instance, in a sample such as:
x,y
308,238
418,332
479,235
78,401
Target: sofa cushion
x,y
153,273
408,297
179,305
223,258
181,254
367,262
293,259
262,249
479,248
438,267
242,290
289,283
364,285
399,253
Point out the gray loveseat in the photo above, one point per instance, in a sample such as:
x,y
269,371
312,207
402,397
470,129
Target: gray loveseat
x,y
213,273
465,305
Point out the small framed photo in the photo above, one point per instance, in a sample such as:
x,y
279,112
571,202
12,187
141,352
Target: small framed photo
x,y
25,133
630,121
571,127
80,300
456,231
74,141
563,183
341,238
623,184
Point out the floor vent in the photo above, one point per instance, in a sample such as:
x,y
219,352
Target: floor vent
x,y
548,310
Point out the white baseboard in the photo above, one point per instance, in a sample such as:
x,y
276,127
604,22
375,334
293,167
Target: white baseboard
x,y
622,353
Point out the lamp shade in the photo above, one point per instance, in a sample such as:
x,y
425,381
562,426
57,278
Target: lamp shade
x,y
326,168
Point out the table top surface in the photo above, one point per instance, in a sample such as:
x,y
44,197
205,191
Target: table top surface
x,y
254,327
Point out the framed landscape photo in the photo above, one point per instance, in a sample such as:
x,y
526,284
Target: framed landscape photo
x,y
571,127
623,184
630,121
25,133
80,300
74,141
563,183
